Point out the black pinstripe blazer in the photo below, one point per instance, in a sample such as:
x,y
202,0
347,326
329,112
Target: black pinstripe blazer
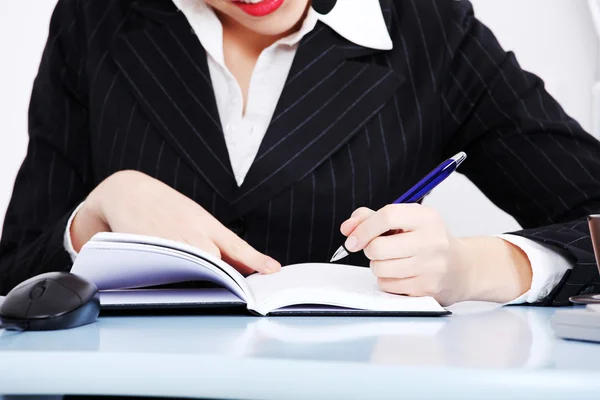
x,y
124,84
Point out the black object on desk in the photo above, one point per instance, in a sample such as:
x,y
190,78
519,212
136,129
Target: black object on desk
x,y
51,301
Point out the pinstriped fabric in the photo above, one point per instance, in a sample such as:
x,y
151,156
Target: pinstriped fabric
x,y
105,103
127,132
290,244
386,156
104,55
417,103
176,179
524,107
99,24
267,236
424,41
308,92
333,207
124,84
506,174
51,179
312,217
310,117
174,70
369,168
513,151
158,160
142,147
112,148
353,176
312,63
183,114
190,58
67,129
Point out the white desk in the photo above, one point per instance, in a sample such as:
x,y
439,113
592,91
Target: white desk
x,y
498,354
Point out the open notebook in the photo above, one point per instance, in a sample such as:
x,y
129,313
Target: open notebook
x,y
126,267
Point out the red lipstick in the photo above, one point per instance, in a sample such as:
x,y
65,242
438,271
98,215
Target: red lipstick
x,y
261,9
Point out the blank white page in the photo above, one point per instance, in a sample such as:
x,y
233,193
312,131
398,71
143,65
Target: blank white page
x,y
204,258
127,265
330,284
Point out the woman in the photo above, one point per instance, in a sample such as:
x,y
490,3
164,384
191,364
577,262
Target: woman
x,y
267,131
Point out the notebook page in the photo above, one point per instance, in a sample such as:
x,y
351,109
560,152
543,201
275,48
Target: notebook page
x,y
125,265
330,284
195,252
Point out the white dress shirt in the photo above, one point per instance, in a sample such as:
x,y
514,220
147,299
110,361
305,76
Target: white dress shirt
x,y
358,21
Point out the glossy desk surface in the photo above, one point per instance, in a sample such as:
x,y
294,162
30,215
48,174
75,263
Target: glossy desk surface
x,y
481,351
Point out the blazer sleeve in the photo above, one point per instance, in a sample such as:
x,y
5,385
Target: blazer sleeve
x,y
54,176
525,153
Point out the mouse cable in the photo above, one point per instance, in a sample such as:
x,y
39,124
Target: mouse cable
x,y
13,327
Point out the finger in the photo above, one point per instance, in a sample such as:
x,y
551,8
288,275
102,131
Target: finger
x,y
195,239
204,243
405,217
356,219
362,211
241,255
408,287
400,245
396,269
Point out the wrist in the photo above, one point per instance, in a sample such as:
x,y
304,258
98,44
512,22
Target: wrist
x,y
495,270
86,223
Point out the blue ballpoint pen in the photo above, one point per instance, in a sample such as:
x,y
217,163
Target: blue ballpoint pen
x,y
420,190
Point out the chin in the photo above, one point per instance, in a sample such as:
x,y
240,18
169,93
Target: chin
x,y
284,19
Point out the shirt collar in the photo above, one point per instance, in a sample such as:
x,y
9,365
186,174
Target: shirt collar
x,y
358,21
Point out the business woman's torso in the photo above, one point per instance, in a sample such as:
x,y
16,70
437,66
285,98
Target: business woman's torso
x,y
354,126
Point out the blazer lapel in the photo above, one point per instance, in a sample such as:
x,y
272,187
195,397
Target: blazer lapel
x,y
328,97
166,67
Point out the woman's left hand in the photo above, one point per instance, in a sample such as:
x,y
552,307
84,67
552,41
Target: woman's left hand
x,y
422,259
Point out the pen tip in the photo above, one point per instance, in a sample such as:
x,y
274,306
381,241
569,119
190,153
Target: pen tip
x,y
339,254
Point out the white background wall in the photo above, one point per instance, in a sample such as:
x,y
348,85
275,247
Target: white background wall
x,y
552,38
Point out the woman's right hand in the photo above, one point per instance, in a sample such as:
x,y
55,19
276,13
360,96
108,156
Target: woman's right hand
x,y
132,202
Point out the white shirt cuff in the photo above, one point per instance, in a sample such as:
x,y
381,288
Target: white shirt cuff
x,y
548,267
67,243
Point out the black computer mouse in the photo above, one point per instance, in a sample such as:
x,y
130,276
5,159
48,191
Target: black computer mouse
x,y
51,301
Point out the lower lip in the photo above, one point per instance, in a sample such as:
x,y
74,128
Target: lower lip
x,y
261,9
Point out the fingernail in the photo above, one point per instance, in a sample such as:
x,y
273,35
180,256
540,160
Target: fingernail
x,y
272,265
351,243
